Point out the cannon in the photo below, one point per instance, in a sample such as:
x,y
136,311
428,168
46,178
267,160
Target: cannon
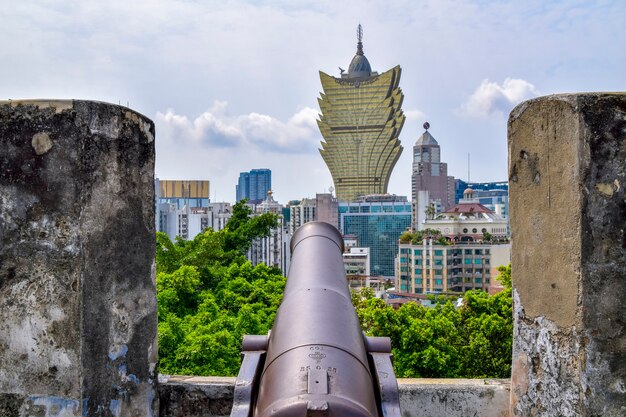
x,y
316,361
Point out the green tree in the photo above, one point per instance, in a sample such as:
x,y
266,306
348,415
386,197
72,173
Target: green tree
x,y
209,296
473,341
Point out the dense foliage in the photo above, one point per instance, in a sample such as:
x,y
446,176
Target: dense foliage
x,y
209,296
473,341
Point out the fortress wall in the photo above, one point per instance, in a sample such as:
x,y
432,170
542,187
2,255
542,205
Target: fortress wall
x,y
78,321
567,173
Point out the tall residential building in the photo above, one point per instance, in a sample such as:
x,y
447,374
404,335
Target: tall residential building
x,y
361,119
430,175
327,209
301,212
272,250
254,185
187,222
476,245
377,222
172,196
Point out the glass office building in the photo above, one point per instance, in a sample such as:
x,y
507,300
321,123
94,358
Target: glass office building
x,y
254,185
377,222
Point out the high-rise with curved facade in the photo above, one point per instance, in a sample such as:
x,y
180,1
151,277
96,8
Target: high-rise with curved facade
x,y
361,119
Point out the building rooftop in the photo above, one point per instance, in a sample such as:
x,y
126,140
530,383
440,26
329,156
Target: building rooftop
x,y
426,139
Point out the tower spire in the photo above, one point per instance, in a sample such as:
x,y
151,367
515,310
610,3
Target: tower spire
x,y
359,38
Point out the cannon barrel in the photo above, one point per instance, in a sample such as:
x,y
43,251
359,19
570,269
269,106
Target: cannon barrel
x,y
316,361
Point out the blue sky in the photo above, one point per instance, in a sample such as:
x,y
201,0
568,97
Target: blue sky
x,y
233,85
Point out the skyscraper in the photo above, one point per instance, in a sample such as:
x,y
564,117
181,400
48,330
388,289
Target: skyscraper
x,y
377,221
430,175
361,119
254,185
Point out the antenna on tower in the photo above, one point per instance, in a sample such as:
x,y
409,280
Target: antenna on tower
x,y
468,167
359,33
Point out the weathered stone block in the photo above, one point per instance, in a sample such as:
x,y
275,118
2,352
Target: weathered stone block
x,y
77,291
567,172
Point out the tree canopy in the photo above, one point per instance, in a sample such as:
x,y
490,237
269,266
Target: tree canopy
x,y
473,341
209,296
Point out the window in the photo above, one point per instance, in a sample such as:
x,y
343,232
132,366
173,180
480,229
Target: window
x,y
439,282
418,281
468,251
478,252
484,230
478,280
417,252
478,261
418,262
404,250
402,260
468,261
474,230
487,252
465,230
418,272
438,253
403,287
434,170
438,262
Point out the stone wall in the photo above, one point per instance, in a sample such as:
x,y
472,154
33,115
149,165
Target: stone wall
x,y
567,172
77,293
213,397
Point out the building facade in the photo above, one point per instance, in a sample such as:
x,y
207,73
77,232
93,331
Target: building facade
x,y
181,193
493,195
432,188
472,246
327,209
435,268
254,185
377,222
272,250
187,222
301,212
361,119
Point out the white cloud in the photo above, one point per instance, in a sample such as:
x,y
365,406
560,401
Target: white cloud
x,y
416,115
218,146
490,98
217,128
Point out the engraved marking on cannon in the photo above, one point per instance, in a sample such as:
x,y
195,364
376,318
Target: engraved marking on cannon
x,y
317,356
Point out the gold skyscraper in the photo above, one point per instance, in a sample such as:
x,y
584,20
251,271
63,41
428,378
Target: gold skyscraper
x,y
361,119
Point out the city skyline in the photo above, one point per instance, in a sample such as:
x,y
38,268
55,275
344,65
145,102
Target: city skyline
x,y
233,86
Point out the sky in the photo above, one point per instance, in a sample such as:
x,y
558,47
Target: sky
x,y
233,85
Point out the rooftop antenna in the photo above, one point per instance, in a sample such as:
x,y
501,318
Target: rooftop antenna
x,y
359,38
468,168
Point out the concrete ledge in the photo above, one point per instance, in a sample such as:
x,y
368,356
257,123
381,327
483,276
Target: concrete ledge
x,y
213,396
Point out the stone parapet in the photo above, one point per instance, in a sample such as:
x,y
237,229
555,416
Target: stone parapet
x,y
182,396
567,173
78,321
